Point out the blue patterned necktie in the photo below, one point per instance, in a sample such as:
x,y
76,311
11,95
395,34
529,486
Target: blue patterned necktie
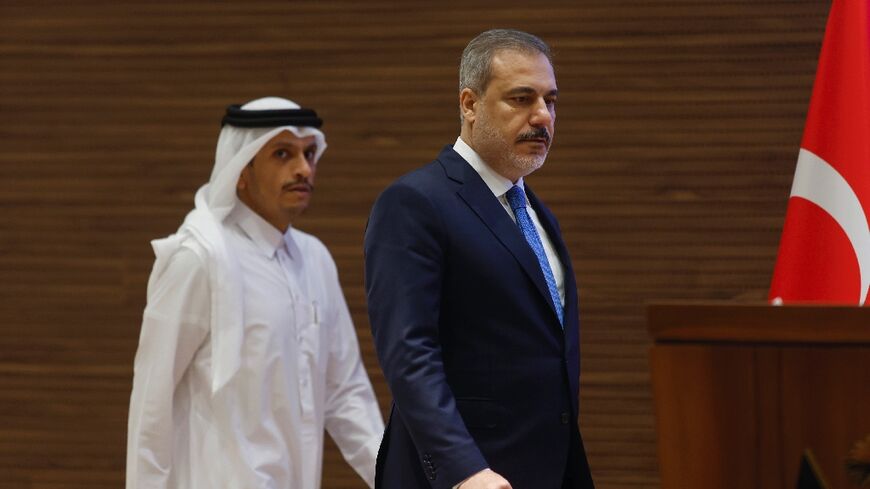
x,y
516,197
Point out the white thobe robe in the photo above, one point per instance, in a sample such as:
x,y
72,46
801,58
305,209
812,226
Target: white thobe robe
x,y
300,371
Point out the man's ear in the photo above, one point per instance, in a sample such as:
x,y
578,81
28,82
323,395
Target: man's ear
x,y
468,104
242,184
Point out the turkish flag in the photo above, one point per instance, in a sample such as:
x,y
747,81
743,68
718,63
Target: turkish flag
x,y
824,253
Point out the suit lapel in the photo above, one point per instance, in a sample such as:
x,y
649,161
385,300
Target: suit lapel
x,y
550,226
571,326
480,199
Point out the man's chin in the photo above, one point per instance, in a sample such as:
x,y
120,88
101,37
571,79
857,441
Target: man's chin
x,y
526,164
296,210
531,158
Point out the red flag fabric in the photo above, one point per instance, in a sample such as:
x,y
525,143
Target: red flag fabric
x,y
824,253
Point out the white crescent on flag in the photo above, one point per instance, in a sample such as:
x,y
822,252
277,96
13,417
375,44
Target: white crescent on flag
x,y
820,183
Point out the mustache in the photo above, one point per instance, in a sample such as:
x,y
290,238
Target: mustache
x,y
296,183
538,133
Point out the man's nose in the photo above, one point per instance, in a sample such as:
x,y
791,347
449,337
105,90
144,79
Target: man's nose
x,y
541,115
302,167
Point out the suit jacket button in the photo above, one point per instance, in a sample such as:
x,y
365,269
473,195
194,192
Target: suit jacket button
x,y
564,418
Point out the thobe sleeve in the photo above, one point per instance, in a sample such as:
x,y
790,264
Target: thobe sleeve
x,y
174,325
352,416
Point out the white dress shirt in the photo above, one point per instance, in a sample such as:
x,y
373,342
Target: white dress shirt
x,y
300,372
499,185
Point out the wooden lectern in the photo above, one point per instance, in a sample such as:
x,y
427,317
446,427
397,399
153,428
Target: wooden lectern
x,y
741,390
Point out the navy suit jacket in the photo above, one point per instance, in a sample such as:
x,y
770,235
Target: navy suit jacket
x,y
482,373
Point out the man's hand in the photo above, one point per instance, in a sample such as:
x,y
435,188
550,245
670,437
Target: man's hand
x,y
485,479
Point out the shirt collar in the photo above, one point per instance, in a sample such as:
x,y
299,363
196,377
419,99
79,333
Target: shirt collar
x,y
265,236
498,184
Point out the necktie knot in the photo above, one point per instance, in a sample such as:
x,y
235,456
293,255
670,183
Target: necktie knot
x,y
516,198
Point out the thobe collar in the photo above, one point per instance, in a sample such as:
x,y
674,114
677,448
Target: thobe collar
x,y
498,184
266,237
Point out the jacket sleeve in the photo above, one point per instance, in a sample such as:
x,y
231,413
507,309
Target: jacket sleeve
x,y
352,416
405,253
174,325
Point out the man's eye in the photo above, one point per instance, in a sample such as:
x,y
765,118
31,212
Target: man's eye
x,y
309,155
282,153
521,99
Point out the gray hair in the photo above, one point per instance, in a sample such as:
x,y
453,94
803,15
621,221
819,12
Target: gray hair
x,y
475,67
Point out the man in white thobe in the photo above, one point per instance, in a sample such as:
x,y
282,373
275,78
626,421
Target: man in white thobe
x,y
247,350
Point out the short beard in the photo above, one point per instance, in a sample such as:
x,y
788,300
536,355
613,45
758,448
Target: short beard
x,y
496,151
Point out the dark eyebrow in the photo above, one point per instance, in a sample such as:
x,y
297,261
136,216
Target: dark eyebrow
x,y
520,91
529,91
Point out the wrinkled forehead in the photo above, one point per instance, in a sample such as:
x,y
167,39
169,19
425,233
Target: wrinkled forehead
x,y
519,68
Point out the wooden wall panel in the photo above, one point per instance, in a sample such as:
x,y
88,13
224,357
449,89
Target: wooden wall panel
x,y
679,125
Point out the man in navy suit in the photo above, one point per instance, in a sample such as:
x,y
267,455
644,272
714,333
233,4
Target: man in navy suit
x,y
472,298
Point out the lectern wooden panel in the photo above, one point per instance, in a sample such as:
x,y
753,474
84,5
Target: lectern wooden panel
x,y
741,390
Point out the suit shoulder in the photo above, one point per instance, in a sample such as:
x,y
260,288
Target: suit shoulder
x,y
421,186
423,178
